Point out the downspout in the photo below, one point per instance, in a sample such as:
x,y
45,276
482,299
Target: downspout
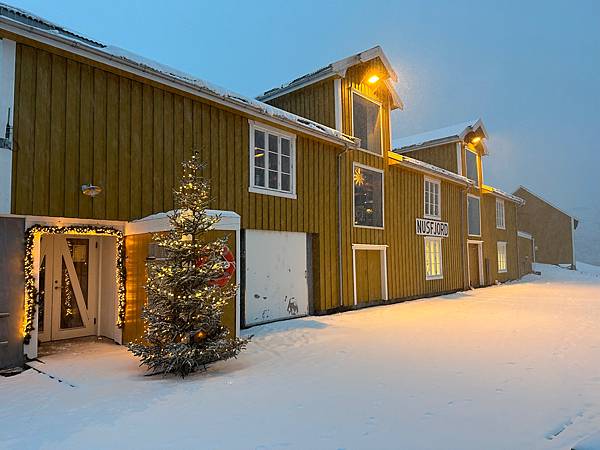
x,y
339,188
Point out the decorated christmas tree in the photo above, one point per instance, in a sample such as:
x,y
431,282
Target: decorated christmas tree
x,y
188,288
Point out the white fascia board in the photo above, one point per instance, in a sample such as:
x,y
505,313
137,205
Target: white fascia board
x,y
524,235
7,97
237,103
161,222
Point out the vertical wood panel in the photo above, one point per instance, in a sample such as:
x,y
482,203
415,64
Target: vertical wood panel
x,y
124,200
136,151
99,204
57,135
158,156
72,186
86,139
112,146
41,179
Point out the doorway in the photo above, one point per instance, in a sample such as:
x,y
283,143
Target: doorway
x,y
77,287
370,273
475,264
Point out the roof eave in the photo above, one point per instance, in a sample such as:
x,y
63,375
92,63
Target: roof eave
x,y
127,65
430,169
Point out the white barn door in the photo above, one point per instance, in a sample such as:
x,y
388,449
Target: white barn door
x,y
276,276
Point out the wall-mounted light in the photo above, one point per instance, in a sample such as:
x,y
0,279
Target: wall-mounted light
x,y
372,79
91,190
476,140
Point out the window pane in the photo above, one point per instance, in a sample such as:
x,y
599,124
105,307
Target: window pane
x,y
259,139
259,177
285,164
368,197
273,143
367,123
473,212
273,179
472,173
259,157
273,161
285,183
285,147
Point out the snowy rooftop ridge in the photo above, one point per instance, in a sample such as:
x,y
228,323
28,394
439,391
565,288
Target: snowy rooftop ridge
x,y
27,21
439,136
505,195
429,168
339,68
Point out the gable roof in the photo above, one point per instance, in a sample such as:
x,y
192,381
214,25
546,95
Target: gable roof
x,y
529,191
338,69
452,133
24,23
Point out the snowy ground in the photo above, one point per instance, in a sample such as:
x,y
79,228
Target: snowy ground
x,y
509,367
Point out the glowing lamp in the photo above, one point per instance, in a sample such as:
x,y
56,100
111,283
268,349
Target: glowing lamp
x,y
476,140
91,190
373,79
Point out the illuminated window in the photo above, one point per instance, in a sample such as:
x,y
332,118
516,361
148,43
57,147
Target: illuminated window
x,y
500,223
368,196
433,258
432,198
502,257
474,217
366,123
472,172
272,162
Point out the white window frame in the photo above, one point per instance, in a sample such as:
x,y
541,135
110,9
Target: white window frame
x,y
383,262
439,276
439,205
380,105
502,245
363,166
500,206
280,134
469,231
476,165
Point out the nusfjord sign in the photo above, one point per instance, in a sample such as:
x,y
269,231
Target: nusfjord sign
x,y
427,227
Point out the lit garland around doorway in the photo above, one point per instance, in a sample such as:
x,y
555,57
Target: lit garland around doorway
x,y
31,292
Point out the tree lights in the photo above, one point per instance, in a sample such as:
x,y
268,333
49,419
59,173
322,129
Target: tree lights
x,y
33,234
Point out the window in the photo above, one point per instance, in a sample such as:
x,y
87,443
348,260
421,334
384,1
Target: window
x,y
472,172
502,257
432,198
272,162
366,123
474,223
433,258
368,196
500,223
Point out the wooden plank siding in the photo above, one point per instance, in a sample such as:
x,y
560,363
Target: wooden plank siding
x,y
443,156
130,137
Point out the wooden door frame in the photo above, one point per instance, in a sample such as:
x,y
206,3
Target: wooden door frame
x,y
383,261
479,244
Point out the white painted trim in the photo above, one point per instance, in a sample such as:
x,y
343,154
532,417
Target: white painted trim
x,y
161,222
499,245
363,166
7,108
479,244
274,132
573,240
337,99
459,158
67,221
138,69
524,234
426,180
383,261
479,200
238,267
439,241
499,201
477,158
378,103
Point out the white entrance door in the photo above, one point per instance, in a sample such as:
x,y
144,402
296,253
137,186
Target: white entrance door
x,y
276,276
68,283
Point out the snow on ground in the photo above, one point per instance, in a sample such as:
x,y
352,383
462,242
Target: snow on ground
x,y
505,367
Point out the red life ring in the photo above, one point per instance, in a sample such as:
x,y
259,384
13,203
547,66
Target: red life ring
x,y
229,258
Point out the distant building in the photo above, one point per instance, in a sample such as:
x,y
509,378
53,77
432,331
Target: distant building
x,y
552,229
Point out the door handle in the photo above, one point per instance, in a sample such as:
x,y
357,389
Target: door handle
x,y
57,287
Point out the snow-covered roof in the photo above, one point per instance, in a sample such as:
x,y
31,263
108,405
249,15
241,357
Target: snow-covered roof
x,y
339,68
25,23
154,223
549,203
504,195
440,136
429,168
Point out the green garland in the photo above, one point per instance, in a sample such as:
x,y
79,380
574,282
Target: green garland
x,y
31,292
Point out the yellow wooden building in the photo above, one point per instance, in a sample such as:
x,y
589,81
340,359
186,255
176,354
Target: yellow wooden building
x,y
324,214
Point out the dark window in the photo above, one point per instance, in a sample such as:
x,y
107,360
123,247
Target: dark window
x,y
368,197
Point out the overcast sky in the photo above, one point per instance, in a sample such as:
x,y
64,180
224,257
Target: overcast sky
x,y
531,70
